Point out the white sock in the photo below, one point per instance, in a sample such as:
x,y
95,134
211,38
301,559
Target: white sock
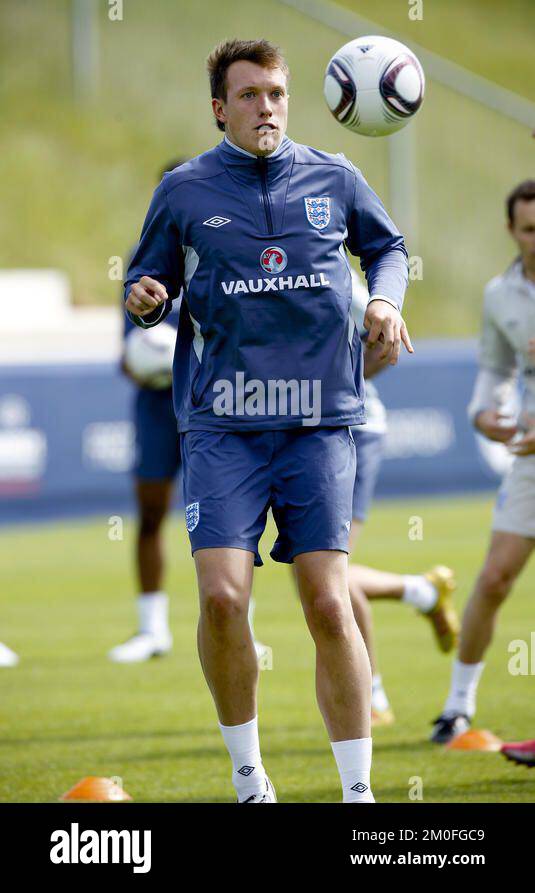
x,y
379,697
354,760
248,773
153,611
463,690
420,592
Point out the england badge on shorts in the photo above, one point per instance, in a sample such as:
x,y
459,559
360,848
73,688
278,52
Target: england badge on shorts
x,y
318,211
192,516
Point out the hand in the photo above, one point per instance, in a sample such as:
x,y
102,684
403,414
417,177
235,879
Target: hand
x,y
525,446
385,324
372,360
145,295
492,424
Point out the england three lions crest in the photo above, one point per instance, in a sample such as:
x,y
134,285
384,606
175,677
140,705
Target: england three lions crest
x,y
192,516
318,211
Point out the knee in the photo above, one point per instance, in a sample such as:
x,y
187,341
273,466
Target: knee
x,y
495,583
222,604
329,616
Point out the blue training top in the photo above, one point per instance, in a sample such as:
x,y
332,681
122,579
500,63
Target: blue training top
x,y
258,245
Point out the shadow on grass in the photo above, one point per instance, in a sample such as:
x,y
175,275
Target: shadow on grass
x,y
194,753
421,746
108,736
285,749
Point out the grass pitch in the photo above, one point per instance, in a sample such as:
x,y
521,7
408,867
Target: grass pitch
x,y
68,712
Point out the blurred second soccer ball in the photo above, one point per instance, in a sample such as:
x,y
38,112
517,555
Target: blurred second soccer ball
x,y
149,355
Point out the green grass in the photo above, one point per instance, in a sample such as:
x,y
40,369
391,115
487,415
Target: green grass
x,y
67,712
76,179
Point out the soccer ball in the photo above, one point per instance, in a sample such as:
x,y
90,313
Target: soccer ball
x,y
149,355
374,85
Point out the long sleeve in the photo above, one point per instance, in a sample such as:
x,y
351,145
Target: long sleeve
x,y
158,255
374,238
495,351
496,380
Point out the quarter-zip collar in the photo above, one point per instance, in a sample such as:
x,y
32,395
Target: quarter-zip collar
x,y
245,167
265,179
280,148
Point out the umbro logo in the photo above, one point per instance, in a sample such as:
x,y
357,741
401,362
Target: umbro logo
x,y
216,221
245,770
359,787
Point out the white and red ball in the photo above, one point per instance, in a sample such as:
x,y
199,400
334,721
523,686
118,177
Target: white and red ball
x,y
374,85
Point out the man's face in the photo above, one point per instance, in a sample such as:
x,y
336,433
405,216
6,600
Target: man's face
x,y
255,113
522,230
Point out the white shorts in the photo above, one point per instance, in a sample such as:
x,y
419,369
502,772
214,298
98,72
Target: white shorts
x,y
514,511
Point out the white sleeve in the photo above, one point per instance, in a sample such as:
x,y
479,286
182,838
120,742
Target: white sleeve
x,y
495,385
495,350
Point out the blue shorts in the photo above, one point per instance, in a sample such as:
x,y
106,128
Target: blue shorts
x,y
305,476
157,439
369,457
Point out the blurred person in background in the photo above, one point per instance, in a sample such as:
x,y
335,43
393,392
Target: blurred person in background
x,y
521,752
156,465
429,593
507,350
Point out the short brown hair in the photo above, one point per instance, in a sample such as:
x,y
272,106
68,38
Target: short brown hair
x,y
525,191
261,52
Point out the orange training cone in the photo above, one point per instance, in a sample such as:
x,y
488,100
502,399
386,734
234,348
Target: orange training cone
x,y
96,790
475,739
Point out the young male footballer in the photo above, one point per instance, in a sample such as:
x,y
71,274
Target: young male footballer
x,y
267,384
507,348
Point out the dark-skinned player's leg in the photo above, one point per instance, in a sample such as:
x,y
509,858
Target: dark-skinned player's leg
x,y
153,637
153,500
